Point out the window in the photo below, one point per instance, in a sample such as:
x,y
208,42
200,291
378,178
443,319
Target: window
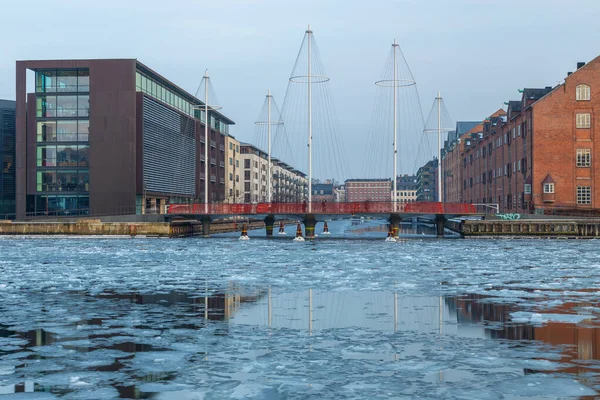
x,y
519,165
514,166
230,146
527,188
584,195
514,135
583,120
247,186
582,92
246,163
519,130
583,157
237,163
230,176
230,161
247,175
548,187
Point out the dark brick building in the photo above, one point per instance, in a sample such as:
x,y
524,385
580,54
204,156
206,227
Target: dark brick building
x,y
111,137
7,156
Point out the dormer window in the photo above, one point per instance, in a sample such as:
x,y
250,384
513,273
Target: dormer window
x,y
548,187
582,93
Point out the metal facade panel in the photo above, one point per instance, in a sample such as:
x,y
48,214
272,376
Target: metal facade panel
x,y
169,150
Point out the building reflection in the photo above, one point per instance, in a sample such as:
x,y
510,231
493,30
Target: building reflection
x,y
578,342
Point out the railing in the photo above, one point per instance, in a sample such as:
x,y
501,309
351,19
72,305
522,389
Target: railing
x,y
325,208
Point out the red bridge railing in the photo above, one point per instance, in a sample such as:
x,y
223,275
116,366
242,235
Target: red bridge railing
x,y
368,207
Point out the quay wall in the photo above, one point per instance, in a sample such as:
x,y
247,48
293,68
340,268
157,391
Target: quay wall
x,y
98,227
583,228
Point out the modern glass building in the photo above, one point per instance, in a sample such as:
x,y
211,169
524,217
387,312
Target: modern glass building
x,y
110,137
7,156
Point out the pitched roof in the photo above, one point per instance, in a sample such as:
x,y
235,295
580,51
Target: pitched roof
x,y
536,94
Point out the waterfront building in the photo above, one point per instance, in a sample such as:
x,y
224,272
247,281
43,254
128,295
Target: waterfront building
x,y
538,156
452,159
289,184
111,137
7,156
426,181
233,183
368,190
254,162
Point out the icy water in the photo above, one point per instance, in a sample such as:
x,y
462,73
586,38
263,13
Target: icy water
x,y
343,317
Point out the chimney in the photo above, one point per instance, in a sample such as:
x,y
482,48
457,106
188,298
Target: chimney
x,y
569,73
580,64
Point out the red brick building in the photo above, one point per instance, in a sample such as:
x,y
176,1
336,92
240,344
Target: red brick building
x,y
539,155
368,190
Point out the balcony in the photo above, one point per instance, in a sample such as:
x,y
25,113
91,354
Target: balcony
x,y
202,175
222,164
213,161
202,158
213,178
222,147
213,144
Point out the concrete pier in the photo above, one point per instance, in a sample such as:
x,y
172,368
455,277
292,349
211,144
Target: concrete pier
x,y
574,228
395,221
269,222
440,224
205,226
309,226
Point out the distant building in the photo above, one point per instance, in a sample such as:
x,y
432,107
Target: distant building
x,y
426,181
322,192
289,184
339,193
368,190
406,188
7,155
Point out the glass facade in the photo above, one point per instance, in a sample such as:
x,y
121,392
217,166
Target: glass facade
x,y
160,92
62,162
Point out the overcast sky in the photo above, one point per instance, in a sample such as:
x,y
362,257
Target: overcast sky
x,y
478,53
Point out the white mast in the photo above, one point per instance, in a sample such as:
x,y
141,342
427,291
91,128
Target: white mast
x,y
206,143
439,104
269,174
395,46
308,33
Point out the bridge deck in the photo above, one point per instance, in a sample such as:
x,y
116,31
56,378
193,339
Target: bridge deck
x,y
349,208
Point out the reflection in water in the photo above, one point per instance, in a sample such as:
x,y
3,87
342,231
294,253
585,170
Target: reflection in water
x,y
121,342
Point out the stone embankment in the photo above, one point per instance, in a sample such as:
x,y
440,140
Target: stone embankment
x,y
98,227
565,228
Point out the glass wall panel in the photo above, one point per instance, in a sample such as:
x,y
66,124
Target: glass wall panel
x,y
83,130
66,131
83,80
83,203
45,81
84,181
66,156
66,81
83,155
66,106
138,81
66,181
46,106
46,156
46,131
83,105
46,181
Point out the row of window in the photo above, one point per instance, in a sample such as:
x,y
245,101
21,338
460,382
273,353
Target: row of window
x,y
63,181
63,156
584,193
63,131
167,96
62,106
61,80
62,204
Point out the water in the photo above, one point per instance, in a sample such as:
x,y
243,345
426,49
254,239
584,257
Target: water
x,y
348,316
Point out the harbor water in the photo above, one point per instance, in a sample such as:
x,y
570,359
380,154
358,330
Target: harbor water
x,y
345,316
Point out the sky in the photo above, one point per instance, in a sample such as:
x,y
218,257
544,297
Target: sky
x,y
477,53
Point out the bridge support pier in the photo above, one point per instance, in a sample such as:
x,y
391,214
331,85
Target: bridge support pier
x,y
269,222
440,223
395,221
309,226
205,226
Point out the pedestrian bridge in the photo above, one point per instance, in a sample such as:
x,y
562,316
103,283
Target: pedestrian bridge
x,y
310,213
